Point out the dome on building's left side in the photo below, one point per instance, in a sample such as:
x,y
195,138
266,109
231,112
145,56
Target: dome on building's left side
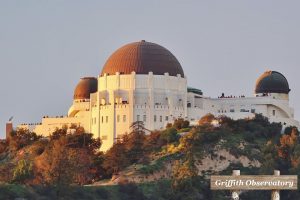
x,y
85,87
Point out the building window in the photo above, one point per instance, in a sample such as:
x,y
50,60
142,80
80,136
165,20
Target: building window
x,y
232,110
252,110
95,120
160,118
124,118
106,119
167,118
154,118
144,118
118,118
274,112
102,119
138,118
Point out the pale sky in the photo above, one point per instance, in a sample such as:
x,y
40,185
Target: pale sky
x,y
223,46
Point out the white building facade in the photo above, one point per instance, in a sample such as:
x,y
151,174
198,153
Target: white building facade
x,y
143,81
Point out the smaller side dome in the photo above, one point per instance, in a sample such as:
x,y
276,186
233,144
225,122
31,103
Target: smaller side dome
x,y
85,87
272,82
194,90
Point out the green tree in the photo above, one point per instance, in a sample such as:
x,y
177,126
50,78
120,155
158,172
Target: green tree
x,y
184,178
68,159
181,123
169,135
115,159
22,171
135,144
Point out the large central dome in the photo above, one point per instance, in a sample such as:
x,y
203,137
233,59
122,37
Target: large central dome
x,y
142,57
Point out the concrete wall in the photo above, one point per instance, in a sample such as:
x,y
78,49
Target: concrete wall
x,y
122,99
157,100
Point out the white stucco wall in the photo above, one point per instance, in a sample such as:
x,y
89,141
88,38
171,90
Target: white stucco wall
x,y
156,100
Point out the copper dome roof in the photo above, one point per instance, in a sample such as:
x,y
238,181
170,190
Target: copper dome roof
x,y
85,87
272,82
142,57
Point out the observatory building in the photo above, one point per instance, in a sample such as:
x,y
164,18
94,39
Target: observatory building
x,y
143,81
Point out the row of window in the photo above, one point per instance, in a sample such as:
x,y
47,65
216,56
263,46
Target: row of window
x,y
106,119
161,118
138,118
232,110
244,110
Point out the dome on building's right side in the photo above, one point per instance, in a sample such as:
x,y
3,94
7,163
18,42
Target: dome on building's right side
x,y
272,82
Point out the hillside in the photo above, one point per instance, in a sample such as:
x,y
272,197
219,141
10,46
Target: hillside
x,y
174,163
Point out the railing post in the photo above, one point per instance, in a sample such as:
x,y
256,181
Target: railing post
x,y
276,193
236,193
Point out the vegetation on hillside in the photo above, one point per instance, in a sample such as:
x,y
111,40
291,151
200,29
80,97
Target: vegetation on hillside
x,y
58,166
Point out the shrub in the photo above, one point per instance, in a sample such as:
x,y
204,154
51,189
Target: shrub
x,y
184,130
169,135
210,137
181,123
3,146
130,191
21,138
207,119
249,137
22,171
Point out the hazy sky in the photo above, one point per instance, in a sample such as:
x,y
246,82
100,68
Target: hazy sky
x,y
223,46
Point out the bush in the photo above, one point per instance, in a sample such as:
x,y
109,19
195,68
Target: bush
x,y
249,137
21,138
169,135
102,193
3,146
210,137
15,192
22,171
206,119
181,123
183,130
130,192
